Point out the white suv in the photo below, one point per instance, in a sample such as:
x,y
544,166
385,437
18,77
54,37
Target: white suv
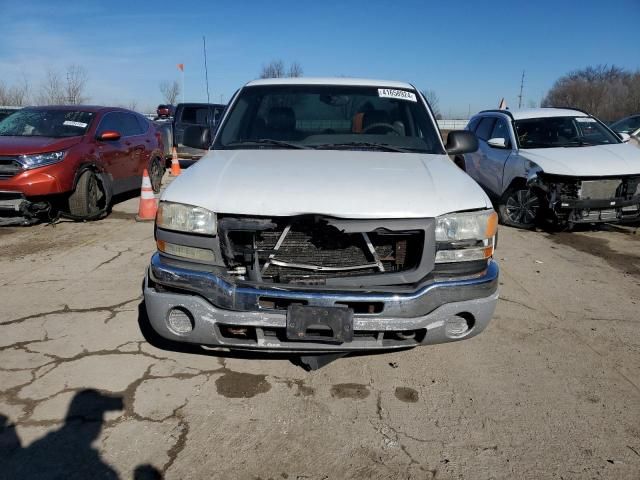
x,y
555,163
327,217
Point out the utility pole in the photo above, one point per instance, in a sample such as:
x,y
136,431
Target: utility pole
x,y
206,71
521,87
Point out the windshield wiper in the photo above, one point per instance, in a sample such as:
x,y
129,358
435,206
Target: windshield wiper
x,y
268,141
381,146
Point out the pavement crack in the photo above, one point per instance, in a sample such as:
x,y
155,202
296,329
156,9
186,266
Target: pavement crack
x,y
177,447
67,309
112,259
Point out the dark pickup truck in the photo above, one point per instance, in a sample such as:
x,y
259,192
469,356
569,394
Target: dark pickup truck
x,y
186,115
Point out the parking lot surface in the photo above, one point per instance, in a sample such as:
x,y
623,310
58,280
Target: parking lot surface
x,y
550,390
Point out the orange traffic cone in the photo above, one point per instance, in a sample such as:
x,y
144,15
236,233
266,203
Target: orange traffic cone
x,y
148,204
175,164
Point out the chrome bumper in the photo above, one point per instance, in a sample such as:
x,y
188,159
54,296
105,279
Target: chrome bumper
x,y
213,301
223,294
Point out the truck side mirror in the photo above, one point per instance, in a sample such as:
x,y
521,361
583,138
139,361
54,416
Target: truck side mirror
x,y
460,142
196,136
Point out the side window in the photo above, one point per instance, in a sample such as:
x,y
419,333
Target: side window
x,y
111,121
485,128
196,115
473,124
217,115
130,125
143,122
501,130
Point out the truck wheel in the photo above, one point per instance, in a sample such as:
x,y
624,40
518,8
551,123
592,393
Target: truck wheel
x,y
156,172
86,199
520,207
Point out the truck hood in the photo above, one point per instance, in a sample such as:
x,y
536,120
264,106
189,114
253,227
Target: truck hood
x,y
346,184
599,160
29,145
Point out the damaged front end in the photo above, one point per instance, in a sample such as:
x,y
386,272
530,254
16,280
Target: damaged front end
x,y
15,209
590,199
320,251
318,283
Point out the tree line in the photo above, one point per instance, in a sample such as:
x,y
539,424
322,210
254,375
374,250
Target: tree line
x,y
68,87
608,92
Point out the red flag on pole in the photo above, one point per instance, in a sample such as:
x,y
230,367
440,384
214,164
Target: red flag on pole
x,y
181,67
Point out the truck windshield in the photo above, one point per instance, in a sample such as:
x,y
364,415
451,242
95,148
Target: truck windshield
x,y
329,117
46,123
556,132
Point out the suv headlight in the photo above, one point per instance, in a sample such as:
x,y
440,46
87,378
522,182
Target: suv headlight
x,y
186,218
41,159
465,236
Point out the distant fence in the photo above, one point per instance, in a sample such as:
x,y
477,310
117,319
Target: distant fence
x,y
452,124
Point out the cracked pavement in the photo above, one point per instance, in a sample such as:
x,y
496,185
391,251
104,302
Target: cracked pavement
x,y
550,390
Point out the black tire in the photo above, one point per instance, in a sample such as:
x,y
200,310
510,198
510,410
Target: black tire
x,y
520,207
87,200
156,172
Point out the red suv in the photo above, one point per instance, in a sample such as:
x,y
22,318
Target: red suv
x,y
73,159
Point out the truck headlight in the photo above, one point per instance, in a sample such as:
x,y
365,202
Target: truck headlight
x,y
41,159
465,236
186,218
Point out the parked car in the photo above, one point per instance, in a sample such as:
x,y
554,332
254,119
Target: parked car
x,y
630,126
5,111
190,114
552,163
74,159
327,217
164,112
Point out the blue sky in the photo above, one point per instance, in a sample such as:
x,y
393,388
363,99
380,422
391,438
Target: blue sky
x,y
471,53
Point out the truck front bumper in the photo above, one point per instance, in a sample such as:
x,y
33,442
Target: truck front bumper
x,y
203,308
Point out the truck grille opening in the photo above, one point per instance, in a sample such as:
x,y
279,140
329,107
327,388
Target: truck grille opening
x,y
307,250
9,166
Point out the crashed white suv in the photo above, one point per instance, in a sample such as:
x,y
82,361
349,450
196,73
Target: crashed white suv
x,y
553,163
327,217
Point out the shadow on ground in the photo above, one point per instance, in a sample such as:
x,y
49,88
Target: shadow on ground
x,y
66,452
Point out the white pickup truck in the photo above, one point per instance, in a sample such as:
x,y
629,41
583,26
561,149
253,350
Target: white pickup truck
x,y
326,217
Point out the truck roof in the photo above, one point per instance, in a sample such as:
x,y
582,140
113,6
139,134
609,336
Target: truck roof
x,y
360,82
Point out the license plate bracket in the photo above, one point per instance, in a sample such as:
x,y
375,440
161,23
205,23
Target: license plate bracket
x,y
319,324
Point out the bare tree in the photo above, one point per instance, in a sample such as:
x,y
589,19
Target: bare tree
x,y
608,92
277,69
76,81
15,95
70,89
51,90
170,91
274,69
434,101
295,70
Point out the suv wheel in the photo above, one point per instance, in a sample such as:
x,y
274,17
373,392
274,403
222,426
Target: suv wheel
x,y
87,199
520,207
156,172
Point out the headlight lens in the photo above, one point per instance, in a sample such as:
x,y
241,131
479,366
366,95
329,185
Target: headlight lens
x,y
41,159
465,236
186,218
